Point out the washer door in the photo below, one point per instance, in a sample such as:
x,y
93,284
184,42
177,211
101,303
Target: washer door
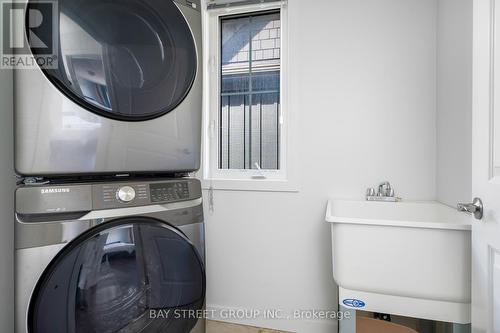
x,y
129,275
128,60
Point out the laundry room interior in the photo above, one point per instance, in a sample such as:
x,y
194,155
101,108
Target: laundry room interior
x,y
249,166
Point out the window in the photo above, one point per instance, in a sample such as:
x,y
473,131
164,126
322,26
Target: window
x,y
249,125
248,119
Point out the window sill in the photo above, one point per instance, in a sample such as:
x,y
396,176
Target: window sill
x,y
258,185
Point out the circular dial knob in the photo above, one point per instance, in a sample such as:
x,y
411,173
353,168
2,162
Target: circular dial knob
x,y
126,193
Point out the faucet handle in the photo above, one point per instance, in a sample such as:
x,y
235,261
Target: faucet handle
x,y
370,192
390,191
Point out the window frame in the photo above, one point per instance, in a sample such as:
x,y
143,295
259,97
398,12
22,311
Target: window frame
x,y
283,179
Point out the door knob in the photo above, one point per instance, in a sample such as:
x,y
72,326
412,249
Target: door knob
x,y
476,208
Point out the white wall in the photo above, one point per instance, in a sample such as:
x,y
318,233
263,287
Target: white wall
x,y
454,116
7,186
364,83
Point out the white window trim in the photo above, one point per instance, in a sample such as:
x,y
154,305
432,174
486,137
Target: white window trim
x,y
285,179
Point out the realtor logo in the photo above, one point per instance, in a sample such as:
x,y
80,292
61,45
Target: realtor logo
x,y
29,34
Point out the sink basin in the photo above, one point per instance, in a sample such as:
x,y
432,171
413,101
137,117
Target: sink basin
x,y
406,258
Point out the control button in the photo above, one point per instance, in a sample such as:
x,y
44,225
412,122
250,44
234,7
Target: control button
x,y
125,193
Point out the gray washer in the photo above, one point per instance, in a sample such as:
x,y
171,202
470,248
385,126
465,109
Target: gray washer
x,y
114,106
53,221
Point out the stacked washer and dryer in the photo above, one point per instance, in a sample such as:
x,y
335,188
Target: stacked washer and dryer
x,y
109,225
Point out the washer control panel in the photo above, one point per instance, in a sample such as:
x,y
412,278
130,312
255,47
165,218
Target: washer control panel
x,y
125,194
122,193
169,191
138,193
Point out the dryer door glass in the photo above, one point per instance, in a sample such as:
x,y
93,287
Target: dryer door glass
x,y
128,275
127,60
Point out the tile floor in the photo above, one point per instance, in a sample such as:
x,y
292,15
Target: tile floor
x,y
220,327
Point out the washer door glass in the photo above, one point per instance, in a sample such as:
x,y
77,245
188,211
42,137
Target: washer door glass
x,y
127,60
128,275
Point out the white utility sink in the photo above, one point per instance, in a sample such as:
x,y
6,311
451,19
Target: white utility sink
x,y
407,258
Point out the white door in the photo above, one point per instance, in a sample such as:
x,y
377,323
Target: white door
x,y
486,167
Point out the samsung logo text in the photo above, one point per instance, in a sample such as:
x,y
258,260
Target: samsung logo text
x,y
54,190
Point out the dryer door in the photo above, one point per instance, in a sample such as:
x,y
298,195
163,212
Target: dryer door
x,y
127,60
133,274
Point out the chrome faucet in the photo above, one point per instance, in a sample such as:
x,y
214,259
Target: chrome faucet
x,y
385,190
385,193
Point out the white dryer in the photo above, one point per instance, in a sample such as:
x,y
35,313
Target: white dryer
x,y
124,96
